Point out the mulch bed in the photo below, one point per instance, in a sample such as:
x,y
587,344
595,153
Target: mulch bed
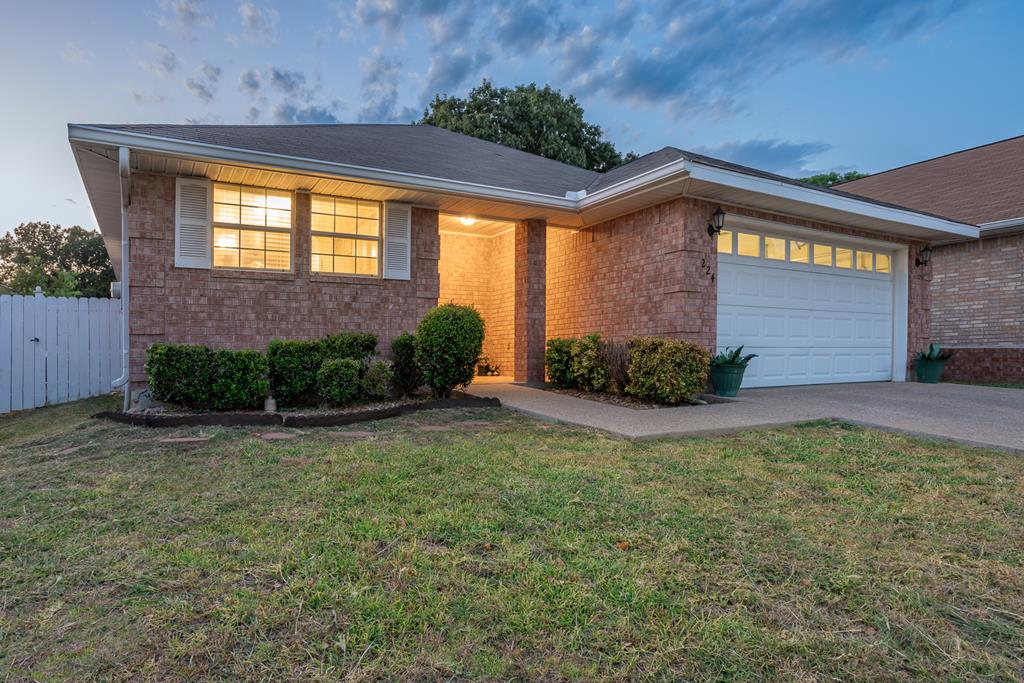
x,y
316,418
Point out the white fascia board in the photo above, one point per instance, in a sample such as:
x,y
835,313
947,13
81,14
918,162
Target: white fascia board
x,y
637,182
1005,224
218,153
806,195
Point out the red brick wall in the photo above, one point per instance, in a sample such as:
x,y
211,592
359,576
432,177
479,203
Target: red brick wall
x,y
978,292
530,299
641,274
994,364
477,270
238,309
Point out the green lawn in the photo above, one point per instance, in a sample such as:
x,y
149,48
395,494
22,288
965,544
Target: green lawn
x,y
505,548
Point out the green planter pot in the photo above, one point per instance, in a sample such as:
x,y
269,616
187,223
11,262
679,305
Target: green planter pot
x,y
726,379
929,371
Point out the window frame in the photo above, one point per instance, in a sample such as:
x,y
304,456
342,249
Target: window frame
x,y
731,251
215,225
378,238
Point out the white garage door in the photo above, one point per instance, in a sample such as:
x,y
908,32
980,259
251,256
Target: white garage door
x,y
813,312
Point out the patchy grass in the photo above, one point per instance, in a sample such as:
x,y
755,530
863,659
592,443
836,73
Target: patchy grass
x,y
504,548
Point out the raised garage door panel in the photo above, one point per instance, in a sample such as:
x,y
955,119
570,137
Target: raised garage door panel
x,y
807,325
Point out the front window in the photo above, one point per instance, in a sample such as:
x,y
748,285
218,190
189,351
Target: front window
x,y
346,236
252,228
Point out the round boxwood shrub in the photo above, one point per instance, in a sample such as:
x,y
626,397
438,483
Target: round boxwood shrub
x,y
239,379
337,380
407,372
180,373
589,371
376,382
448,343
293,367
666,370
558,361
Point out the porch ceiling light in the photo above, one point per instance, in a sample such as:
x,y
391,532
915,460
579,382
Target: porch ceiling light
x,y
717,221
467,220
923,257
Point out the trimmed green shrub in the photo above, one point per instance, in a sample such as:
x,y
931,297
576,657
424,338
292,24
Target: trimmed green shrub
x,y
407,372
589,372
356,345
448,344
197,377
337,380
239,379
558,361
666,370
376,382
180,373
293,367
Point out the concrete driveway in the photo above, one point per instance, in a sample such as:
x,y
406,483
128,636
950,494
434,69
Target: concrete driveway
x,y
975,415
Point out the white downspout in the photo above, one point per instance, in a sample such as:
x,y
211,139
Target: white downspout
x,y
124,170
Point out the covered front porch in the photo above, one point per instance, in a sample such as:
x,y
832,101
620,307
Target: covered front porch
x,y
498,267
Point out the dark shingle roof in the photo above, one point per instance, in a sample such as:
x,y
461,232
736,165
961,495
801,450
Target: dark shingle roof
x,y
977,185
417,149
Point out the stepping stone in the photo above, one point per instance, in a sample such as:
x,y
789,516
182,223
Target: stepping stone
x,y
433,428
277,436
474,423
351,435
295,461
69,450
186,439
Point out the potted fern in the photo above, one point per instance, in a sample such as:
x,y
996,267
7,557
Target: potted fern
x,y
929,364
727,370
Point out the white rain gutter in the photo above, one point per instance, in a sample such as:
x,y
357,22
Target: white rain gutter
x,y
124,170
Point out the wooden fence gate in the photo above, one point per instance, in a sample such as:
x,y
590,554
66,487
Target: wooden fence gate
x,y
57,349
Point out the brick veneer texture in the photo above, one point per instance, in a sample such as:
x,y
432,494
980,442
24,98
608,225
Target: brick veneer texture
x,y
641,274
238,309
993,364
478,270
530,299
978,293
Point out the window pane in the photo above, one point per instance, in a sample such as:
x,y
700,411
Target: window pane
x,y
278,218
799,252
775,248
225,213
278,260
345,207
345,264
254,216
323,223
369,210
366,266
225,238
882,263
345,224
228,194
322,264
225,258
279,199
747,244
251,258
368,226
252,196
323,204
864,260
252,239
844,258
725,242
323,245
278,241
822,255
344,247
366,248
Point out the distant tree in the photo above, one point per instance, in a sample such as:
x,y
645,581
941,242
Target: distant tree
x,y
60,260
537,120
833,178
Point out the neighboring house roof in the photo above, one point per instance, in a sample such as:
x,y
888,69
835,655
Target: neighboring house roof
x,y
979,185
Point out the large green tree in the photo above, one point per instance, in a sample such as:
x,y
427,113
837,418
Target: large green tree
x,y
60,260
536,120
832,178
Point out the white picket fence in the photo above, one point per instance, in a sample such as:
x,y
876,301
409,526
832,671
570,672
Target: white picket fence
x,y
56,349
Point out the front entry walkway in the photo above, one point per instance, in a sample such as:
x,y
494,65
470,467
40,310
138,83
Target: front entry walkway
x,y
975,415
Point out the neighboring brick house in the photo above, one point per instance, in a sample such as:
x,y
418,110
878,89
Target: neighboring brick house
x,y
237,235
977,286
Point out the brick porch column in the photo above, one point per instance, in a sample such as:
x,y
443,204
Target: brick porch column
x,y
530,305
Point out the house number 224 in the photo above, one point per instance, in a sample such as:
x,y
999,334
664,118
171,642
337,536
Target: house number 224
x,y
706,267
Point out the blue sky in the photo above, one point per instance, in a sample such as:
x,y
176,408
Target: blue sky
x,y
792,86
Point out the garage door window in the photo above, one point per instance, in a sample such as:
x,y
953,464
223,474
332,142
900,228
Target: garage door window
x,y
844,258
883,263
775,248
725,242
865,260
748,244
821,255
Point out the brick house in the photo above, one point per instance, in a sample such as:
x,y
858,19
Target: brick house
x,y
977,286
237,235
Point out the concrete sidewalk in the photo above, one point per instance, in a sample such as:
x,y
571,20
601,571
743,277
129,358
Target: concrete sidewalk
x,y
974,415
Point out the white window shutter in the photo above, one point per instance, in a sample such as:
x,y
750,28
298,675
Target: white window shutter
x,y
397,240
193,211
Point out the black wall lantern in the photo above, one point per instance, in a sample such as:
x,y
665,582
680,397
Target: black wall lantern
x,y
923,257
717,221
